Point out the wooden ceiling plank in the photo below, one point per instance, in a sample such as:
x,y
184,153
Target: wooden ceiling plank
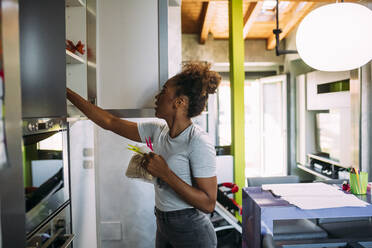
x,y
288,10
207,21
315,1
252,1
290,22
252,12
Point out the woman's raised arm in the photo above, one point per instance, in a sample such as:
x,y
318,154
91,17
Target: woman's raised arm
x,y
104,119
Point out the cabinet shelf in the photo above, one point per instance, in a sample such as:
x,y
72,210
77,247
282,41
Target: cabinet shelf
x,y
327,160
73,58
92,64
76,64
311,171
75,3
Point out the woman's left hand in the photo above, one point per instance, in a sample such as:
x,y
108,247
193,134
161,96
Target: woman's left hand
x,y
155,165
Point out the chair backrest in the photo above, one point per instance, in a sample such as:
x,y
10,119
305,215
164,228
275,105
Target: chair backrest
x,y
258,181
332,181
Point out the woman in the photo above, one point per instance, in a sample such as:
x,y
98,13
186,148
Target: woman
x,y
183,160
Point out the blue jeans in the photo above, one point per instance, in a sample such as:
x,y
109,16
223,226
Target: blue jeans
x,y
187,228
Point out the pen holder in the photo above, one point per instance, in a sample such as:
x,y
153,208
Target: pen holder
x,y
358,187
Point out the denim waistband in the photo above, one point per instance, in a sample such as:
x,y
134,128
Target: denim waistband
x,y
173,214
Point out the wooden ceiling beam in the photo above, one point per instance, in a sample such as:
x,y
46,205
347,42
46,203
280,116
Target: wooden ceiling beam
x,y
208,18
284,17
198,1
252,12
290,21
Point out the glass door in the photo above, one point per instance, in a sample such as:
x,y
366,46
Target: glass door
x,y
45,170
266,126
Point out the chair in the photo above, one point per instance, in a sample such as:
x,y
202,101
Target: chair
x,y
332,181
289,229
258,181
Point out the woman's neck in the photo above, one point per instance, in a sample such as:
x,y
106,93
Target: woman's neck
x,y
178,125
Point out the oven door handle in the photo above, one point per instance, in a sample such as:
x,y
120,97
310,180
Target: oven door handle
x,y
69,237
51,239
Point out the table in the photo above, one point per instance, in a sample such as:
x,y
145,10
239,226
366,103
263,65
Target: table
x,y
261,208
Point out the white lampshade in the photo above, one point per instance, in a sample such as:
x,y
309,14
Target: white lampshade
x,y
336,37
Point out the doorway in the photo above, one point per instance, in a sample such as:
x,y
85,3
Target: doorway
x,y
265,101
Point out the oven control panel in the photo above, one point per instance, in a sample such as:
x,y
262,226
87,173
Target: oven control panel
x,y
34,126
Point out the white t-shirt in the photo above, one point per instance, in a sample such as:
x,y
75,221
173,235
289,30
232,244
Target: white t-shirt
x,y
189,155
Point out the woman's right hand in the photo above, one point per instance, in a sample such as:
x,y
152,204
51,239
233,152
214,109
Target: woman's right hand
x,y
156,165
104,119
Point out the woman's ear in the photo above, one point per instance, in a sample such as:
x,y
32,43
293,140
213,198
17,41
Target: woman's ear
x,y
181,102
178,102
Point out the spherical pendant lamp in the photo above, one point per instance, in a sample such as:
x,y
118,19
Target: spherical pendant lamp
x,y
336,37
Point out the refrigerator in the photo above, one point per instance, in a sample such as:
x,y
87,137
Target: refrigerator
x,y
108,209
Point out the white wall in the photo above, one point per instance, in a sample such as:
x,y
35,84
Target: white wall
x,y
126,206
217,51
174,40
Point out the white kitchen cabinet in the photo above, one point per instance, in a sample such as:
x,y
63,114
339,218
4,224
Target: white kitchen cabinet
x,y
74,3
305,121
333,106
76,64
130,53
317,100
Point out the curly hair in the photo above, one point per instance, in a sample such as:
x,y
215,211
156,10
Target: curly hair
x,y
196,81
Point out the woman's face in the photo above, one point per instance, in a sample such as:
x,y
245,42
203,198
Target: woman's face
x,y
164,105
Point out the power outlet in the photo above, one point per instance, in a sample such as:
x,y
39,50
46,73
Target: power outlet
x,y
88,164
88,152
111,230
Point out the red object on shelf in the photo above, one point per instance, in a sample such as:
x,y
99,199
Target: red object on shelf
x,y
70,46
79,47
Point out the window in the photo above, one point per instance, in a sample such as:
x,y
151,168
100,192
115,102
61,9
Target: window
x,y
265,123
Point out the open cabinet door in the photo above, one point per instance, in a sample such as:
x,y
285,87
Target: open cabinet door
x,y
266,126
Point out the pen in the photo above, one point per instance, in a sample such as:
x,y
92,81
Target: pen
x,y
148,143
357,177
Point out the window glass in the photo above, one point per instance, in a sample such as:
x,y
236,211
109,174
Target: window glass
x,y
224,114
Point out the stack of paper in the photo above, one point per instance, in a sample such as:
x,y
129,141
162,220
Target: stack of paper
x,y
314,195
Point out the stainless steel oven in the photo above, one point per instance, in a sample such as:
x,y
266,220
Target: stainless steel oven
x,y
45,170
55,233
